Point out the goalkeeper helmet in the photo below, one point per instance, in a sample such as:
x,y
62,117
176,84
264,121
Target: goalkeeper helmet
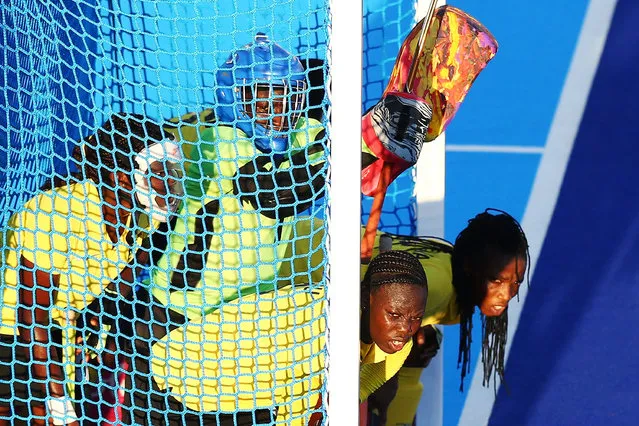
x,y
261,90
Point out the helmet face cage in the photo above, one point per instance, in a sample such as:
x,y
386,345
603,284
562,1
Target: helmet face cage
x,y
261,90
275,105
164,180
158,179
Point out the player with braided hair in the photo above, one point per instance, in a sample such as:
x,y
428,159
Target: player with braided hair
x,y
63,248
389,300
394,293
275,370
483,269
490,254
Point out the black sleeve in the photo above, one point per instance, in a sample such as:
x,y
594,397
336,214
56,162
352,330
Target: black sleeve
x,y
316,75
282,193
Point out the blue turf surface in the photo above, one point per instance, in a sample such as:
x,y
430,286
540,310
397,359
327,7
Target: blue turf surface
x,y
512,103
574,358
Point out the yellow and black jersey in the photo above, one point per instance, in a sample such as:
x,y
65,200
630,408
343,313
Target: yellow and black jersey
x,y
62,232
377,367
236,222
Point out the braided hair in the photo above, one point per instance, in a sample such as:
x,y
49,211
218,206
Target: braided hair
x,y
393,267
485,246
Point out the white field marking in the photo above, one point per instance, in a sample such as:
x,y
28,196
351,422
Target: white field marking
x,y
505,149
550,174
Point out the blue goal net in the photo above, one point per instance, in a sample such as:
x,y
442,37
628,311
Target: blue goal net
x,y
163,169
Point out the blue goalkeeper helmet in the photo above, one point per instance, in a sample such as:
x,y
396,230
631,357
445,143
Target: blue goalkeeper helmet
x,y
261,90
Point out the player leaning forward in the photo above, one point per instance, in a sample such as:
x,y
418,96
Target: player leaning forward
x,y
63,248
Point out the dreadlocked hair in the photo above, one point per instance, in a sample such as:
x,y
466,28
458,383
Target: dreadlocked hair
x,y
394,267
489,242
114,145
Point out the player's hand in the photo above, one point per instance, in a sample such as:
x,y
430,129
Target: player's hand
x,y
426,344
400,122
393,131
101,312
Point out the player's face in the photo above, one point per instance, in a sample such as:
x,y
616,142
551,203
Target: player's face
x,y
117,192
501,288
396,312
271,107
164,180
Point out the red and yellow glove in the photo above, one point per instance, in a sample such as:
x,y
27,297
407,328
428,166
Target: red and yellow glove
x,y
393,132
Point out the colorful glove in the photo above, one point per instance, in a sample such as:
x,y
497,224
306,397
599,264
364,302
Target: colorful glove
x,y
393,131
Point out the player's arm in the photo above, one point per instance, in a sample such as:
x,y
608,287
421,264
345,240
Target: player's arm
x,y
393,132
36,295
288,189
120,288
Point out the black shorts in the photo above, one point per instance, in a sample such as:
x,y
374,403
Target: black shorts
x,y
143,323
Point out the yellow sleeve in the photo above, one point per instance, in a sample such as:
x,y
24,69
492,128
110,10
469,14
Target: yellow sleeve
x,y
39,233
372,376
